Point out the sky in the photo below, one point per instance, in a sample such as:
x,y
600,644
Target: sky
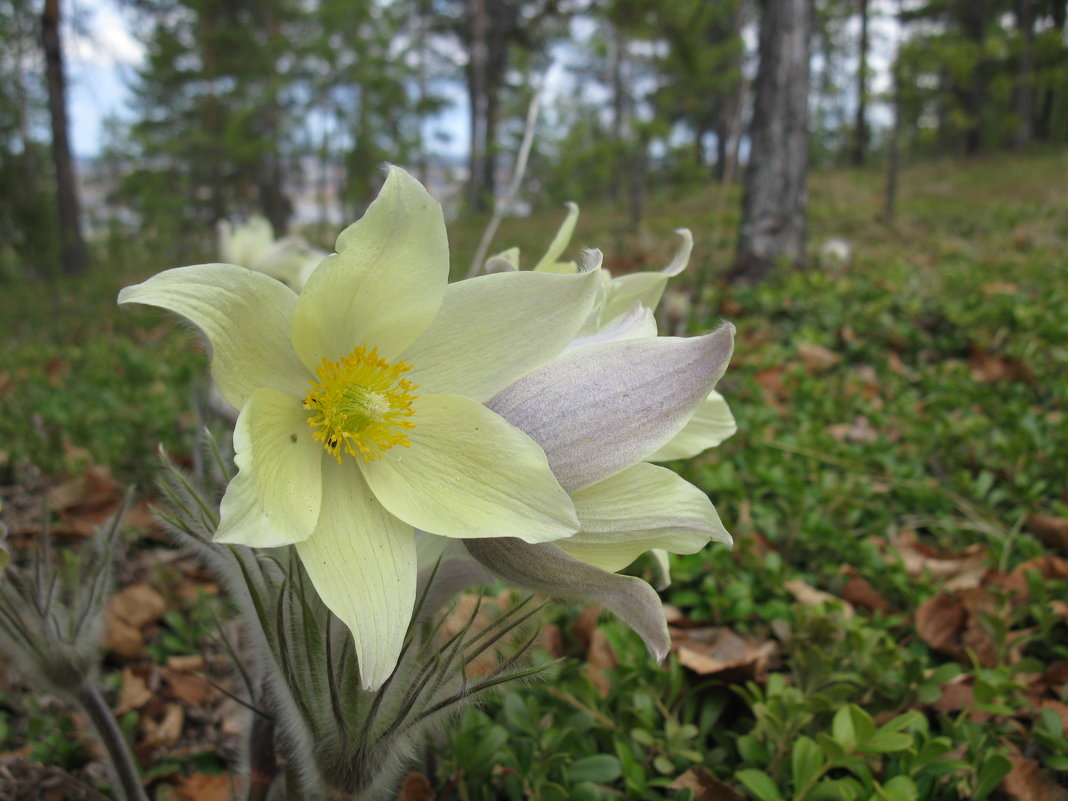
x,y
100,62
103,54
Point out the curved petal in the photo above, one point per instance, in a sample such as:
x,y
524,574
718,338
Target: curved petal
x,y
244,314
274,499
600,409
662,568
544,567
362,562
711,423
639,509
495,328
550,262
504,262
638,323
468,473
646,288
385,283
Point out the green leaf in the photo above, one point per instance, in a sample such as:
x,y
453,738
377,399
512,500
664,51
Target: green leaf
x,y
842,728
994,768
899,788
759,784
491,741
886,742
835,790
753,752
587,791
806,761
550,791
664,765
599,768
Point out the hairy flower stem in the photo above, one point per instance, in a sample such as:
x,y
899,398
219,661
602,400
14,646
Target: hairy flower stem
x,y
262,758
90,700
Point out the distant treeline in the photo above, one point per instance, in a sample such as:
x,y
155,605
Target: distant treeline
x,y
240,102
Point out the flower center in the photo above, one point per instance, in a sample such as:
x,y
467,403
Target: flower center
x,y
360,404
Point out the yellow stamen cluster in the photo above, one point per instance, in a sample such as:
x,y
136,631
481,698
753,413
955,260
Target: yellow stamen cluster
x,y
360,404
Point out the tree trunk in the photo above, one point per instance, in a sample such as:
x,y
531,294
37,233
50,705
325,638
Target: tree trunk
x,y
619,113
274,200
1024,90
476,91
72,244
973,17
860,122
893,160
773,207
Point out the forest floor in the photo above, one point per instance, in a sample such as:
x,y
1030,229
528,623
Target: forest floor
x,y
892,622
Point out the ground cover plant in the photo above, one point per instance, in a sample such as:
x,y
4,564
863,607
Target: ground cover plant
x,y
890,624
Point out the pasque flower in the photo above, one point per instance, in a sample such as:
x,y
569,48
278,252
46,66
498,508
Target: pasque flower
x,y
619,398
252,244
362,406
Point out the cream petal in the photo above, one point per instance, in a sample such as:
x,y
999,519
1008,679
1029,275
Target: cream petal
x,y
504,262
468,473
544,567
639,509
384,285
550,262
600,409
245,316
712,422
275,497
638,323
662,568
646,287
362,562
495,328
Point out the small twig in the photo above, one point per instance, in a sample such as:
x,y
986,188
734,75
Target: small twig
x,y
504,204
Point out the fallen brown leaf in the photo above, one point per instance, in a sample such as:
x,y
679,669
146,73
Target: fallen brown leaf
x,y
600,658
552,640
133,692
705,786
1050,568
860,592
1052,531
167,730
770,380
807,595
189,688
488,609
585,625
950,624
817,358
959,571
126,613
1028,782
87,501
720,652
122,639
859,432
987,368
203,787
416,787
138,604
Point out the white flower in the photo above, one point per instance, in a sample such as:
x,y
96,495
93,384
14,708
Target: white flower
x,y
291,259
619,398
362,409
